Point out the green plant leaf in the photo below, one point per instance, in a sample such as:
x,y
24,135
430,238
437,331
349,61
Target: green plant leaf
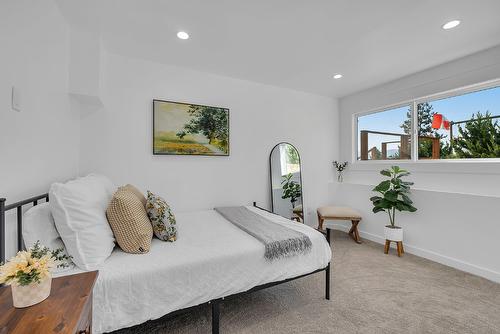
x,y
385,172
396,182
391,195
401,206
383,186
411,208
406,199
385,204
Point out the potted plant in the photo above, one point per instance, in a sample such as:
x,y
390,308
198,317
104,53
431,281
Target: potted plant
x,y
340,167
291,189
395,196
29,274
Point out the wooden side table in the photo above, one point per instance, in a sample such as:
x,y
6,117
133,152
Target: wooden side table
x,y
67,310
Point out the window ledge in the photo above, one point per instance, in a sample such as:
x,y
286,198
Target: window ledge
x,y
456,166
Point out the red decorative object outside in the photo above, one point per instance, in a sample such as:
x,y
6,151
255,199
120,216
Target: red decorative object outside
x,y
437,119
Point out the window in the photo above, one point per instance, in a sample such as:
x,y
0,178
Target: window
x,y
382,135
290,162
465,125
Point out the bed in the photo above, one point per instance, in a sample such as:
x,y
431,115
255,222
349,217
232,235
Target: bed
x,y
212,260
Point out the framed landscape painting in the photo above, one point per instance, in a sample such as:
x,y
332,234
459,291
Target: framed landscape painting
x,y
190,129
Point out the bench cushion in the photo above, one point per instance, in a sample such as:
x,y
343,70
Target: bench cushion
x,y
338,212
297,209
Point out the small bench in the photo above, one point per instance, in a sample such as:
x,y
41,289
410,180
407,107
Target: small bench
x,y
298,215
340,213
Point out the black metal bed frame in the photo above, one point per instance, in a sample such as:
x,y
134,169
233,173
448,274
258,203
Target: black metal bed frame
x,y
215,303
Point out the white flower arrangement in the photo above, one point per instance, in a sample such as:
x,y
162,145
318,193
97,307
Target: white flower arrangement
x,y
33,265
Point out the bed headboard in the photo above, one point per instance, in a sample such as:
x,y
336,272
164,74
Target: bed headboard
x,y
18,206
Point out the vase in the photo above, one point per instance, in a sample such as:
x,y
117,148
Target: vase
x,y
393,233
340,177
31,294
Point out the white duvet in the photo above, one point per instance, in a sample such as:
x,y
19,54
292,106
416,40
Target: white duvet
x,y
210,259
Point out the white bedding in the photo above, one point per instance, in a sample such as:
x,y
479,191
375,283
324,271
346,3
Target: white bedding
x,y
211,259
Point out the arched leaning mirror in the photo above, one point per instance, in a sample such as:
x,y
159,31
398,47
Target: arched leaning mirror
x,y
286,182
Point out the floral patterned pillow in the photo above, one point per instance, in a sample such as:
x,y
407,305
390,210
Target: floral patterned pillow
x,y
161,217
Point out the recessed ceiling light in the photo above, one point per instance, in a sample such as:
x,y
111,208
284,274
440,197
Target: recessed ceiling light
x,y
183,35
451,24
337,76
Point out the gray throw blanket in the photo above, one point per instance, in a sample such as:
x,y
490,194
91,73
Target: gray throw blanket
x,y
280,241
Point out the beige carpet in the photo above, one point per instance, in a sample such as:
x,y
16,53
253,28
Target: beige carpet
x,y
371,293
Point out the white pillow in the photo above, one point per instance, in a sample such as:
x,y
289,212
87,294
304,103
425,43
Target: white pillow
x,y
38,225
79,210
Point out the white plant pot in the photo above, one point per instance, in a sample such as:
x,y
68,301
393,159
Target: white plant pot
x,y
34,293
393,234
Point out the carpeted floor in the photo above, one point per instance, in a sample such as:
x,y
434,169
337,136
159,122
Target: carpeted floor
x,y
371,293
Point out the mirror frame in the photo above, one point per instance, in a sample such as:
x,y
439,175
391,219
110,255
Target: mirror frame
x,y
300,177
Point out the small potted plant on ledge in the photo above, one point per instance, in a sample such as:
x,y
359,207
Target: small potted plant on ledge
x,y
29,274
340,167
395,196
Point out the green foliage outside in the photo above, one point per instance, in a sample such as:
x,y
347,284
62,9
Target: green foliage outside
x,y
291,189
478,138
395,194
211,122
292,155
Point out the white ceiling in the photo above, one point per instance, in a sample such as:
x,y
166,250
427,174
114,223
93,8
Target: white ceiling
x,y
297,44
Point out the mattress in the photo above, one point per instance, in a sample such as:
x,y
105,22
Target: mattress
x,y
211,259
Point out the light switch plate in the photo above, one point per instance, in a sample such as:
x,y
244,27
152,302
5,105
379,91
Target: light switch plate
x,y
16,99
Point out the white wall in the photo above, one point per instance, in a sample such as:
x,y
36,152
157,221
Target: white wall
x,y
457,221
116,140
39,144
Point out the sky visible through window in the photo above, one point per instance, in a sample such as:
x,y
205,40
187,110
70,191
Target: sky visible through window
x,y
457,108
387,121
461,108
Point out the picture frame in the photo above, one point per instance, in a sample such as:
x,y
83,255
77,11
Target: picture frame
x,y
181,128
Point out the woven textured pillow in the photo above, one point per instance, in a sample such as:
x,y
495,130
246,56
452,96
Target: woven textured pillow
x,y
161,217
137,193
129,222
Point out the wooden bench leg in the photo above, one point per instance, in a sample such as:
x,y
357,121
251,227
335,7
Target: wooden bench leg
x,y
387,246
353,232
320,222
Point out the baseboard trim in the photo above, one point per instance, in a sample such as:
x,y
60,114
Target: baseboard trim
x,y
430,255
